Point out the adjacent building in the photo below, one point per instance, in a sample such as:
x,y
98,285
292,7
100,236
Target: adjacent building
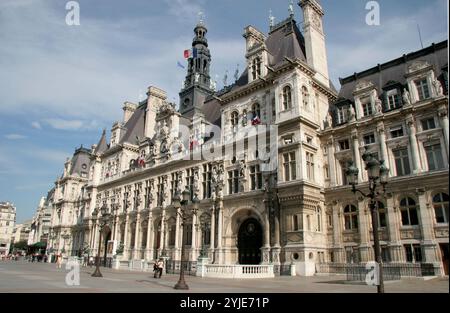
x,y
40,225
247,211
7,222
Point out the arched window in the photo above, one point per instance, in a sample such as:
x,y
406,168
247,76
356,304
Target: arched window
x,y
287,98
319,219
440,204
305,97
350,217
408,209
234,118
256,68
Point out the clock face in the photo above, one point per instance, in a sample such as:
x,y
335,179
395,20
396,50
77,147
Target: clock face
x,y
84,166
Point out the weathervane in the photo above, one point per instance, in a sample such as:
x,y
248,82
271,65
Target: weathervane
x,y
225,78
291,8
201,17
271,19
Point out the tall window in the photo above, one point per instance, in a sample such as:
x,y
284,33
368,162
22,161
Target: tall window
x,y
344,145
369,139
402,162
408,210
234,118
310,166
287,98
190,181
187,236
256,68
256,110
350,217
396,132
319,219
434,157
422,89
393,99
343,172
207,174
289,165
440,204
413,253
233,181
381,214
341,115
305,97
172,231
255,177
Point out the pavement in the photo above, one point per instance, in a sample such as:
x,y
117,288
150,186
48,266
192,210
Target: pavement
x,y
25,277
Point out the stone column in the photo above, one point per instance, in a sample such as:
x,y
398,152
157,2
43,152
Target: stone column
x,y
443,118
266,246
395,246
276,248
428,243
126,246
383,147
413,144
356,155
149,245
331,163
337,234
212,244
364,232
219,209
136,237
194,239
162,234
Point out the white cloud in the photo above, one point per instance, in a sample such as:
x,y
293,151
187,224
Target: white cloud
x,y
15,136
36,125
63,124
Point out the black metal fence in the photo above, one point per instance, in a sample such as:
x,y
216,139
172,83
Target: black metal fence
x,y
391,271
174,266
282,270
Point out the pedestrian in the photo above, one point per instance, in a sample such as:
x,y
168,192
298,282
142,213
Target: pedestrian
x,y
91,261
155,269
160,267
58,260
85,260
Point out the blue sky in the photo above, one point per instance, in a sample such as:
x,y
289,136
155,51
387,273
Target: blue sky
x,y
61,85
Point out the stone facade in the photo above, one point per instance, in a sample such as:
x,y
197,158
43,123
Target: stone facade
x,y
7,223
302,212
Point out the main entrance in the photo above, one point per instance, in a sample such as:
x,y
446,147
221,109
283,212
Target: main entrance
x,y
250,242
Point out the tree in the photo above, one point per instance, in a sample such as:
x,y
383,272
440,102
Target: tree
x,y
21,245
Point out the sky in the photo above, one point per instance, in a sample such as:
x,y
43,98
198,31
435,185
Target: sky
x,y
60,85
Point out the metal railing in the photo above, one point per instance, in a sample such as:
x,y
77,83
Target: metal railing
x,y
174,266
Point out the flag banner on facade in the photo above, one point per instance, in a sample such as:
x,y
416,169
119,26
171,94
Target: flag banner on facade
x,y
190,53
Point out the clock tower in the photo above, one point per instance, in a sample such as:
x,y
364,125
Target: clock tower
x,y
316,53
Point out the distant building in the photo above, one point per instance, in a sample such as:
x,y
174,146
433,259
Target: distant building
x,y
41,222
7,222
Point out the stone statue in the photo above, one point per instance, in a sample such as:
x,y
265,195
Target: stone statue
x,y
213,85
439,91
242,169
197,77
329,120
164,130
351,113
244,118
406,97
379,106
225,79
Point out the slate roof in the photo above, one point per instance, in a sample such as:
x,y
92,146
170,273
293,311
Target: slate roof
x,y
135,126
395,70
102,145
80,157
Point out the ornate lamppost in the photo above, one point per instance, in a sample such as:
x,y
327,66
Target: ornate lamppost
x,y
104,220
185,214
378,176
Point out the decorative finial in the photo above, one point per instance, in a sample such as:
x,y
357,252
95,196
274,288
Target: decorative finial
x,y
225,78
201,17
291,8
236,74
271,19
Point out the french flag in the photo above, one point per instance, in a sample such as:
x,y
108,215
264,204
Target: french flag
x,y
190,53
256,120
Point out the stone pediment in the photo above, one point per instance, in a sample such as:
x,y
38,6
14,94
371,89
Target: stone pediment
x,y
417,66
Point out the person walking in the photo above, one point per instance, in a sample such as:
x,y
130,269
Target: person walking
x,y
58,260
160,265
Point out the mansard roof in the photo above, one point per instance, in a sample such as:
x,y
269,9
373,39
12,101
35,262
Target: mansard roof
x,y
395,70
81,157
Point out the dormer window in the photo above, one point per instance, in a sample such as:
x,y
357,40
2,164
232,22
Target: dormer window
x,y
341,115
256,68
366,105
393,99
423,90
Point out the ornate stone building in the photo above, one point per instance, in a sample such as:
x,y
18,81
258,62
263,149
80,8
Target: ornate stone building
x,y
299,212
7,223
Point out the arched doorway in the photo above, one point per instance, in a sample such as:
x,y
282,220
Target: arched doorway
x,y
250,242
106,237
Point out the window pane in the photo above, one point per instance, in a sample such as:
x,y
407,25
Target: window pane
x,y
405,218
413,216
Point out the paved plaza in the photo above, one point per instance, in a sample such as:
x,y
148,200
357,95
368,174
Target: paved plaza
x,y
43,277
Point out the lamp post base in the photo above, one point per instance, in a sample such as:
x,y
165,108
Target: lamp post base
x,y
97,273
181,285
